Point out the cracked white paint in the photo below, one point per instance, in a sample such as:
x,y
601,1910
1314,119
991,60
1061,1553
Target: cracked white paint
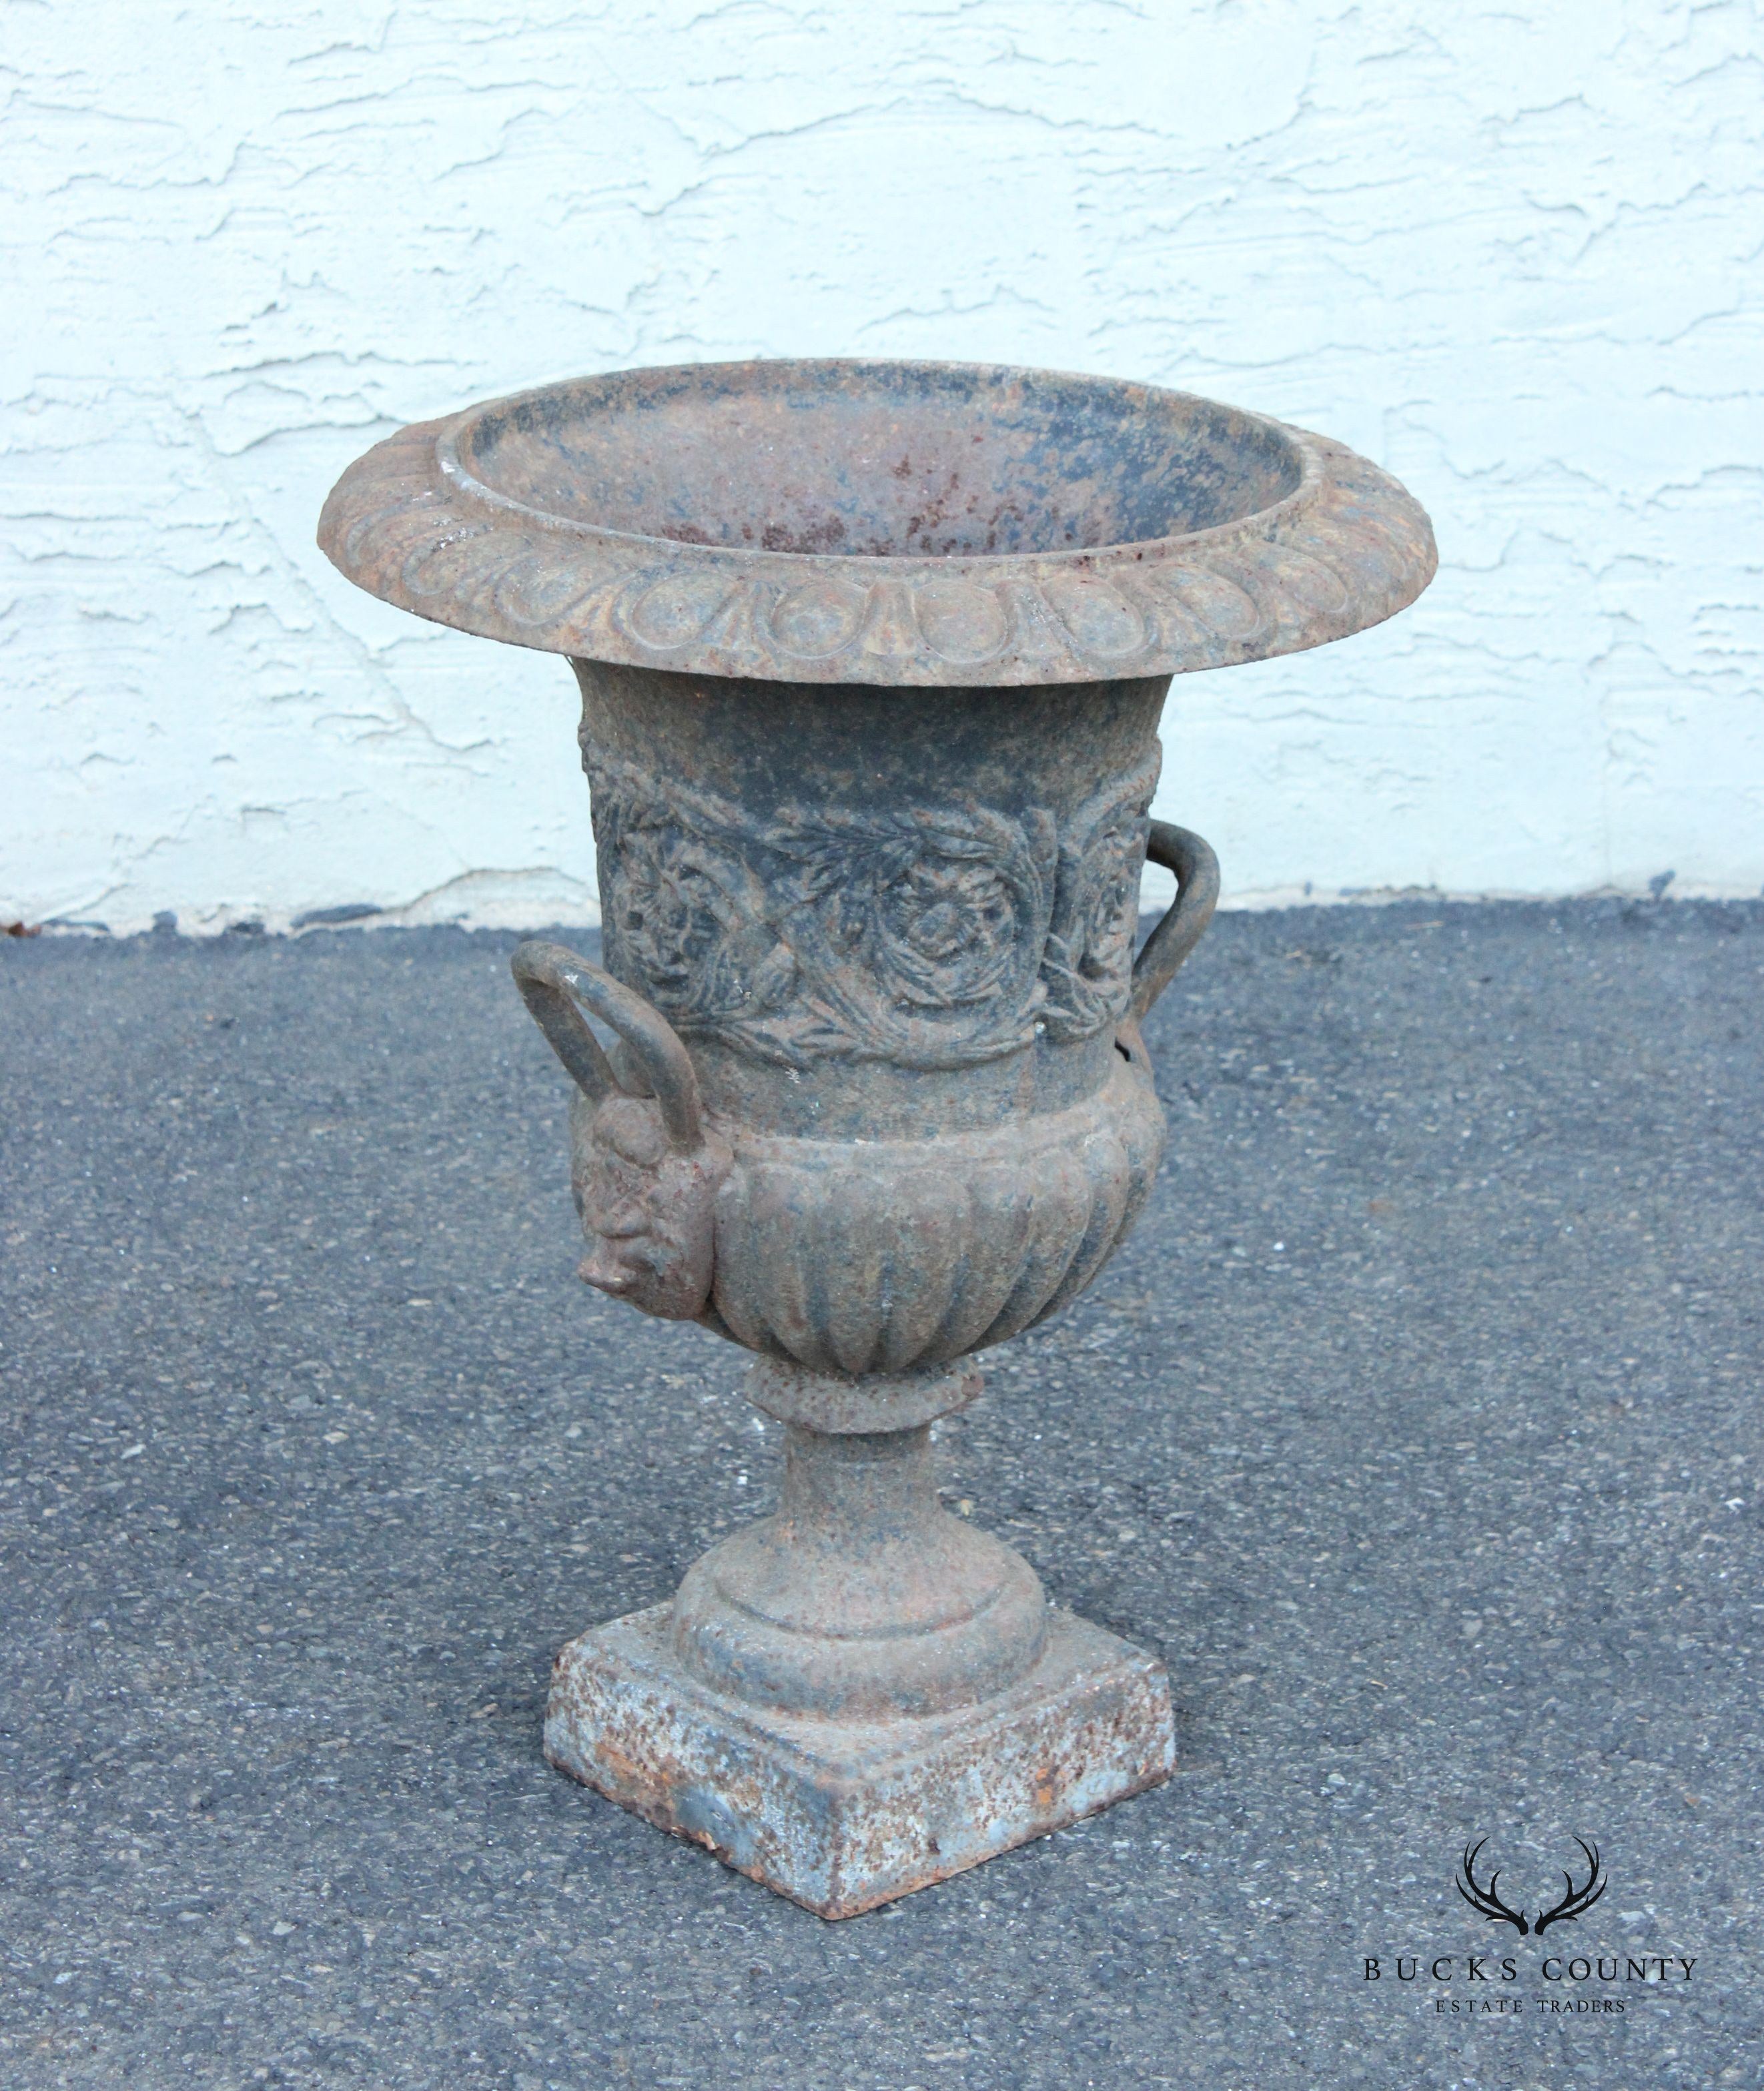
x,y
1510,251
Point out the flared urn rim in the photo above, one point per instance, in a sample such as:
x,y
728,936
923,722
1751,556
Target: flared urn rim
x,y
905,523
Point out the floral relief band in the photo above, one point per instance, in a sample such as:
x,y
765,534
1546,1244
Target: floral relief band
x,y
931,936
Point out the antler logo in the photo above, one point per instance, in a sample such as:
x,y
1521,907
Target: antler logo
x,y
1486,1899
1577,1898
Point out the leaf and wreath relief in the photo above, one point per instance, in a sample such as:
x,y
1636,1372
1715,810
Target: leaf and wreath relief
x,y
927,936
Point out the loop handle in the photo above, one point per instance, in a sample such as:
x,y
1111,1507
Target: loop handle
x,y
1197,870
557,984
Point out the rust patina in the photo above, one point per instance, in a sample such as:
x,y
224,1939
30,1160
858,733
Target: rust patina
x,y
871,657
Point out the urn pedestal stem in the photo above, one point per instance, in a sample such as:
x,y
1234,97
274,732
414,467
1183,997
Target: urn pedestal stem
x,y
861,1598
861,1693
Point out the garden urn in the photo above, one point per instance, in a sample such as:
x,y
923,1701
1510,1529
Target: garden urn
x,y
872,659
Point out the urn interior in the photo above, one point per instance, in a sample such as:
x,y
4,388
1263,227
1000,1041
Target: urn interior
x,y
879,459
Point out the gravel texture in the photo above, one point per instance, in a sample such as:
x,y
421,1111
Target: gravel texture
x,y
1416,1426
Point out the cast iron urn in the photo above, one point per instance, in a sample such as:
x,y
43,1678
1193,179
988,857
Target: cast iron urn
x,y
872,659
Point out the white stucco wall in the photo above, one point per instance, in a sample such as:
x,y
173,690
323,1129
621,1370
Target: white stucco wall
x,y
1510,248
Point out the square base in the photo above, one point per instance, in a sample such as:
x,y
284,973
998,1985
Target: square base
x,y
841,1816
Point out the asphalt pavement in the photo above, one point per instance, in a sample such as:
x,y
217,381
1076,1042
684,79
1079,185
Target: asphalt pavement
x,y
1417,1427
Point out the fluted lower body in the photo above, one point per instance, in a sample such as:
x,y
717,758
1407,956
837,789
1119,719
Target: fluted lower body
x,y
899,1256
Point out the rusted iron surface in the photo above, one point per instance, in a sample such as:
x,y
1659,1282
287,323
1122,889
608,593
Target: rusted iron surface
x,y
872,659
887,523
874,1402
648,1167
893,931
861,1598
841,1816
